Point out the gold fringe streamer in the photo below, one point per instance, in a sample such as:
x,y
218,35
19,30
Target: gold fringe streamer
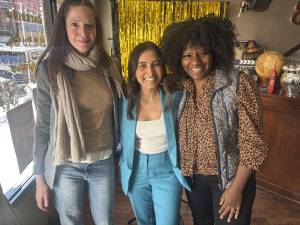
x,y
141,20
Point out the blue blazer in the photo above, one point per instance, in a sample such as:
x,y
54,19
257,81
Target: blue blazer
x,y
127,138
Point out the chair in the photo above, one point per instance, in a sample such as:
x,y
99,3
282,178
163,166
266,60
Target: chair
x,y
7,212
180,222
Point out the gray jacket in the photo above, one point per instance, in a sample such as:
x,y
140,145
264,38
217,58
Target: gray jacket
x,y
225,124
43,132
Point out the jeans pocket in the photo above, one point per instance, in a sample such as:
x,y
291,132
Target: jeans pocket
x,y
102,163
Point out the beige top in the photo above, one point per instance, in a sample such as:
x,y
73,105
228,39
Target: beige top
x,y
151,136
94,102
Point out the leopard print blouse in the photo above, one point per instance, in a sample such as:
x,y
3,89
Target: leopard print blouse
x,y
197,146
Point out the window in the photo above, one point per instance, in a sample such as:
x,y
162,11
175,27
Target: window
x,y
22,40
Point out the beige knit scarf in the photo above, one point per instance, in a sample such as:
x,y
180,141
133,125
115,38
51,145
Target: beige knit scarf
x,y
68,136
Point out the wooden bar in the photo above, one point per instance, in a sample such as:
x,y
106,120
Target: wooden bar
x,y
281,170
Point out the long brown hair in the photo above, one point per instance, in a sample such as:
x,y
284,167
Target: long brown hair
x,y
59,46
133,86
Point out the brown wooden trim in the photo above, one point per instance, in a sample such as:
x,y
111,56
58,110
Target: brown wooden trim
x,y
278,190
279,173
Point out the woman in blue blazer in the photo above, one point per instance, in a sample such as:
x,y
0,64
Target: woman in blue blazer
x,y
149,168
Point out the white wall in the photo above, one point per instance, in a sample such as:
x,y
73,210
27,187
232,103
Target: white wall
x,y
271,28
104,7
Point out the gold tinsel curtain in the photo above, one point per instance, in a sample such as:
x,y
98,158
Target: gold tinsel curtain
x,y
141,20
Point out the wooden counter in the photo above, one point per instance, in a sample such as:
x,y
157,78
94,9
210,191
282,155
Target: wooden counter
x,y
281,170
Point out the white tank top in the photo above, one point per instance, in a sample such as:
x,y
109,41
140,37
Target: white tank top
x,y
151,137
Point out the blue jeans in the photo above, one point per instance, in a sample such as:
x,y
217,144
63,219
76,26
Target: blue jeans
x,y
154,191
73,180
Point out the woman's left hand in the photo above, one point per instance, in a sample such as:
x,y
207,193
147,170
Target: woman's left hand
x,y
230,203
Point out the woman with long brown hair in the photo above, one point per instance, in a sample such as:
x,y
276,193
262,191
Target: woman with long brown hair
x,y
76,127
148,163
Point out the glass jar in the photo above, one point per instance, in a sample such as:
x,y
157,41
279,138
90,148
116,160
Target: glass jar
x,y
290,81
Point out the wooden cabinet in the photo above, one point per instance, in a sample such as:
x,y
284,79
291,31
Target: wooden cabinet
x,y
281,170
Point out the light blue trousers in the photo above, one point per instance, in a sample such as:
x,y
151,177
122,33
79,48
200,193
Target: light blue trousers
x,y
73,180
154,191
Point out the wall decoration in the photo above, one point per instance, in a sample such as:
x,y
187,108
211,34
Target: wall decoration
x,y
296,16
141,20
261,5
255,5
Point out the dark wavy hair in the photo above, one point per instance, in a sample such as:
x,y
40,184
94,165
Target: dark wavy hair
x,y
58,46
214,33
133,86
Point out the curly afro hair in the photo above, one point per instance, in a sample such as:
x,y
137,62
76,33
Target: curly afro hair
x,y
214,33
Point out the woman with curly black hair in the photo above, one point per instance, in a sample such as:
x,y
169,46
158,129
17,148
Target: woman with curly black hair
x,y
220,123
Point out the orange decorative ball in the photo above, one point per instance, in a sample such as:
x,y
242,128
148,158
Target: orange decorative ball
x,y
267,62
